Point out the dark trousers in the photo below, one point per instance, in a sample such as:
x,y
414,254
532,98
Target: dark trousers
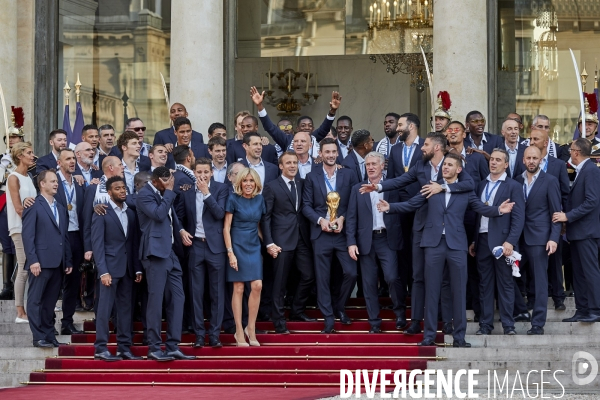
x,y
325,247
586,276
437,259
8,247
306,270
43,293
388,259
119,293
405,255
417,294
164,281
537,256
140,294
204,263
494,273
72,281
473,300
555,274
446,297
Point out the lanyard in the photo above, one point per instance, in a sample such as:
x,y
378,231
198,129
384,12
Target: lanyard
x,y
68,194
546,166
488,195
408,155
331,189
526,190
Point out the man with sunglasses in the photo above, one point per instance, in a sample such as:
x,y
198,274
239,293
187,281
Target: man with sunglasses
x,y
478,140
167,136
137,125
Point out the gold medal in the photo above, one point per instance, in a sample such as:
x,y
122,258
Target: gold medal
x,y
69,207
405,169
486,203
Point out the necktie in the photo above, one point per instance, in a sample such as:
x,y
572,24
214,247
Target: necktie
x,y
294,196
362,170
55,212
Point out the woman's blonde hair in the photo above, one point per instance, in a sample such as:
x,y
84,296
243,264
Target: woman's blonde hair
x,y
17,150
237,188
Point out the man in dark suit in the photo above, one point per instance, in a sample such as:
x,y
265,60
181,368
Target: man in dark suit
x,y
133,162
183,132
504,231
253,159
372,236
58,141
343,128
106,142
84,155
424,173
136,125
70,195
202,211
167,136
557,168
362,144
89,134
284,140
115,243
48,253
478,140
392,136
581,215
236,150
287,238
445,243
510,132
160,229
327,233
540,235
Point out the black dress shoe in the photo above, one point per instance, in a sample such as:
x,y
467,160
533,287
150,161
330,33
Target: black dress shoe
x,y
42,343
56,343
106,356
484,330
230,330
178,355
302,317
263,317
159,355
69,330
215,343
523,317
344,318
375,329
79,308
127,355
536,330
199,342
186,330
426,343
401,323
510,331
590,318
447,329
260,332
461,343
575,317
559,305
328,329
414,328
282,330
476,318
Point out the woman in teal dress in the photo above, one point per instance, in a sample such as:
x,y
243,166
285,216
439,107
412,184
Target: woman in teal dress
x,y
243,212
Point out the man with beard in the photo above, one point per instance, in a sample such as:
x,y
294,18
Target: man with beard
x,y
510,132
542,122
327,234
540,235
89,134
478,140
390,128
344,132
58,141
426,174
84,154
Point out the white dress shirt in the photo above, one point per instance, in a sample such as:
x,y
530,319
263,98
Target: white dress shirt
x,y
491,191
512,158
129,176
578,168
377,215
435,170
304,168
54,209
528,186
200,197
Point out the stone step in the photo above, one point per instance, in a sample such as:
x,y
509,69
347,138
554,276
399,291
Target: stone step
x,y
24,341
13,380
548,353
551,328
8,313
8,328
525,341
27,352
20,366
552,315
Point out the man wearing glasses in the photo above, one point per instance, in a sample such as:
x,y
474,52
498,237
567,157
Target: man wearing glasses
x,y
137,125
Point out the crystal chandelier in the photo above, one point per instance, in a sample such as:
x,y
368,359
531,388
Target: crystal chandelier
x,y
546,47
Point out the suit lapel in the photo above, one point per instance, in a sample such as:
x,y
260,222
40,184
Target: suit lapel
x,y
116,219
499,192
536,185
321,181
286,190
46,207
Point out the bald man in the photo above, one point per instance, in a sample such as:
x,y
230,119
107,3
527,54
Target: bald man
x,y
167,136
510,132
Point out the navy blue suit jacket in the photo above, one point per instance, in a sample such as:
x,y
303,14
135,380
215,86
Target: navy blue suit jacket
x,y
61,197
478,168
447,219
45,163
114,151
519,165
96,173
271,170
236,152
396,167
508,227
168,136
282,224
213,214
199,149
558,169
359,221
543,201
284,140
153,216
314,197
115,253
421,174
583,212
44,241
351,162
492,142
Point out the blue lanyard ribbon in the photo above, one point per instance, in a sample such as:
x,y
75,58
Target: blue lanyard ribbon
x,y
69,195
488,195
332,189
55,212
525,191
408,155
545,168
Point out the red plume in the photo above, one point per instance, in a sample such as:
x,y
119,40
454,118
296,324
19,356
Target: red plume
x,y
446,103
593,102
19,116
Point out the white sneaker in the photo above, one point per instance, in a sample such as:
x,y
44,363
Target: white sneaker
x,y
57,309
21,321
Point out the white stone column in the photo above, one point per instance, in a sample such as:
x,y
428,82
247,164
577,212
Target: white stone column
x,y
197,60
8,61
460,55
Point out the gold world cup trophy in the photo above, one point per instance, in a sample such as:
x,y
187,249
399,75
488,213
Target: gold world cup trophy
x,y
333,202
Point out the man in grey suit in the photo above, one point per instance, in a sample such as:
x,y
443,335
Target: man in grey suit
x,y
160,230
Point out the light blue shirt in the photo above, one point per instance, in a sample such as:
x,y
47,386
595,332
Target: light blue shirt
x,y
260,170
129,176
219,175
304,168
343,149
199,210
512,158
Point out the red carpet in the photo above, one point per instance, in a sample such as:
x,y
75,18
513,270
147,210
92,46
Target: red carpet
x,y
303,364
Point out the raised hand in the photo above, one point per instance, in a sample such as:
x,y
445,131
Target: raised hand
x,y
336,99
257,97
